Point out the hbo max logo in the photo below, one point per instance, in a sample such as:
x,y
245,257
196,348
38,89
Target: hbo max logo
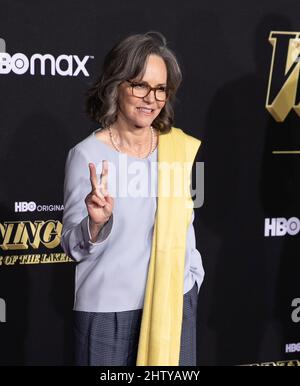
x,y
281,226
63,65
24,206
20,63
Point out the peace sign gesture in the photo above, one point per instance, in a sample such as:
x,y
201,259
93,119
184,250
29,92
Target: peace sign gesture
x,y
98,202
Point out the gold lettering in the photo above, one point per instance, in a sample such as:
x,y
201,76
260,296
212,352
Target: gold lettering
x,y
29,259
16,235
284,74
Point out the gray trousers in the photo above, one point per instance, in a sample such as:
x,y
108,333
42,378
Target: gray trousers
x,y
111,338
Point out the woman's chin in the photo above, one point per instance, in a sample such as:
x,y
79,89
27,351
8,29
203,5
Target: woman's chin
x,y
143,123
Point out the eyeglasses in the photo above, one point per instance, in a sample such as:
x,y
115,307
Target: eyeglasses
x,y
141,90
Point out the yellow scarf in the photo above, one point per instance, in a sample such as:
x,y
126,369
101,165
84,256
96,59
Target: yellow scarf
x,y
160,334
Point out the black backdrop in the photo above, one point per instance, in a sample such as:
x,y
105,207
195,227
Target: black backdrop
x,y
245,304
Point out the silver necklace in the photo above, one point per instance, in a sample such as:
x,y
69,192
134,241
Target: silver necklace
x,y
118,149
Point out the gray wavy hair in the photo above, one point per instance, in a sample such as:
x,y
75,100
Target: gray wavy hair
x,y
127,60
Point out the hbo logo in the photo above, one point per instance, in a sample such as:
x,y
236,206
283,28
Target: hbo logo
x,y
281,226
24,206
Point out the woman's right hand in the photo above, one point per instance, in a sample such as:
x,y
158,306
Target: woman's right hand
x,y
98,202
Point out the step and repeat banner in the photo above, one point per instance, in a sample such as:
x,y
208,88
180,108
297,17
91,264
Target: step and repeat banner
x,y
240,96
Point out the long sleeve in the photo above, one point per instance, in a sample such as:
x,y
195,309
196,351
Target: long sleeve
x,y
75,238
195,259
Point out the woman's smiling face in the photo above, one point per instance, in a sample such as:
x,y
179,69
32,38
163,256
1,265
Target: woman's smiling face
x,y
141,112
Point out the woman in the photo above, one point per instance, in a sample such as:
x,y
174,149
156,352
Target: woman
x,y
138,273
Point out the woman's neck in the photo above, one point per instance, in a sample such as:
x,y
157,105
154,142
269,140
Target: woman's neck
x,y
130,137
